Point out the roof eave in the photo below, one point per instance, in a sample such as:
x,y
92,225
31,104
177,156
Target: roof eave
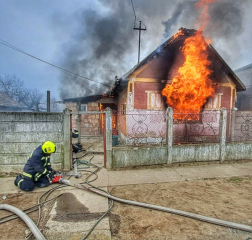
x,y
241,86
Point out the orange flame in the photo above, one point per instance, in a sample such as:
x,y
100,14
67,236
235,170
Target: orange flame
x,y
179,33
192,86
114,121
204,17
102,117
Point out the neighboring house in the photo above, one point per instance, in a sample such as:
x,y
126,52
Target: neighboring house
x,y
90,124
7,104
244,99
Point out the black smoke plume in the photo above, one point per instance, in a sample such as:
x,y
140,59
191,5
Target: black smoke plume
x,y
104,44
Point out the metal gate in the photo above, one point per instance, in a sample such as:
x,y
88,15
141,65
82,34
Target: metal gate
x,y
91,128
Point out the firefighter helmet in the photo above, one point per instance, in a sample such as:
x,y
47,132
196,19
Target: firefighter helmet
x,y
48,147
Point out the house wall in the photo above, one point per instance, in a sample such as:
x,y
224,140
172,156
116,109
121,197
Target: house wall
x,y
21,133
140,95
226,97
121,117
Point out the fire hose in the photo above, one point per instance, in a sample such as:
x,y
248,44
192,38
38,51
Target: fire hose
x,y
164,209
37,234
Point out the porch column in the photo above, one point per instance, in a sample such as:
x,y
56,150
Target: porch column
x,y
223,133
66,151
108,132
169,133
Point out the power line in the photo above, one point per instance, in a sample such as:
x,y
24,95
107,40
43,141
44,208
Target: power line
x,y
59,68
134,12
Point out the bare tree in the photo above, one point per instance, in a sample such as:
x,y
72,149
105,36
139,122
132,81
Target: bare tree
x,y
14,88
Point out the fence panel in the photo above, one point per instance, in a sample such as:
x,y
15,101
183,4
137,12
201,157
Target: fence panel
x,y
141,127
241,126
201,127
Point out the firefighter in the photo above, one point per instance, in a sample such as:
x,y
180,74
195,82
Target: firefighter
x,y
37,170
76,147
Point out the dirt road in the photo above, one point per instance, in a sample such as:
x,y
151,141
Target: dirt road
x,y
227,199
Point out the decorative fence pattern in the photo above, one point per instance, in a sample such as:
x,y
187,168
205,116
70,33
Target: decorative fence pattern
x,y
241,128
196,128
146,127
142,127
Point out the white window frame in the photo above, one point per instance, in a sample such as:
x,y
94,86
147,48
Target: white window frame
x,y
83,105
154,100
214,103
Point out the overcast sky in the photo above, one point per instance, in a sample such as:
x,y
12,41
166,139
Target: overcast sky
x,y
95,38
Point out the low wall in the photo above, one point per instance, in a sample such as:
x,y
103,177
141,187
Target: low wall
x,y
22,132
143,156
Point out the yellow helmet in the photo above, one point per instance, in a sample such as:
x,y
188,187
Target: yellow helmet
x,y
48,147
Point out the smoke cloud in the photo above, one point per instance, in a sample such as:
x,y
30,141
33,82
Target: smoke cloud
x,y
104,44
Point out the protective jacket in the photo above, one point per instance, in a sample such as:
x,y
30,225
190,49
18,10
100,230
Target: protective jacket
x,y
38,165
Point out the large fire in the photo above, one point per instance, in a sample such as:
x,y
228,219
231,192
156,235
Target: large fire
x,y
192,86
101,107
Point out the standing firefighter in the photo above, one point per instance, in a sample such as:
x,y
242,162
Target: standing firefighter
x,y
37,170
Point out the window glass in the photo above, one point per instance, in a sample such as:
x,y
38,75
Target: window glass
x,y
83,107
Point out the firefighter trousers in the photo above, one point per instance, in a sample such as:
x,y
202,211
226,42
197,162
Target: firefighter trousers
x,y
27,184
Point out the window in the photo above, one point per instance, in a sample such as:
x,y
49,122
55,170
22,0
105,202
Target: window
x,y
83,107
154,100
214,102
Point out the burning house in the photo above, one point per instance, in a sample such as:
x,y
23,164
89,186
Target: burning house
x,y
185,73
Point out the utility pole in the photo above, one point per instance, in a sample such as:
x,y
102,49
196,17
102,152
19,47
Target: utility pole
x,y
48,101
140,29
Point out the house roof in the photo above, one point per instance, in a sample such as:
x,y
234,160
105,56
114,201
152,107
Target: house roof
x,y
168,46
245,74
95,98
7,101
244,68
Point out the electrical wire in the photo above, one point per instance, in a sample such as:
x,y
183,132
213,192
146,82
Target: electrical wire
x,y
134,13
59,68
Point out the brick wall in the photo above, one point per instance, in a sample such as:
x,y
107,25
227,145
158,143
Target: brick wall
x,y
89,123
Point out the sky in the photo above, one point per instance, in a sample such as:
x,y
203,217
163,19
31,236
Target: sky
x,y
95,38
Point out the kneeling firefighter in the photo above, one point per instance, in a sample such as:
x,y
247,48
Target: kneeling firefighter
x,y
37,170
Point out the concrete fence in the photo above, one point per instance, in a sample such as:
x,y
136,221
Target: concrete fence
x,y
22,132
128,156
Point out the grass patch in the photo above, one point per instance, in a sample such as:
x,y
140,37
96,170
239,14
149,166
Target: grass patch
x,y
235,179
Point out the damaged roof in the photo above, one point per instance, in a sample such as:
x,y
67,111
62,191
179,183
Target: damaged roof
x,y
95,98
122,83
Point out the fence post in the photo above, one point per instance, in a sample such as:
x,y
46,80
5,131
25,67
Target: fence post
x,y
233,118
79,120
66,144
108,132
169,133
223,133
